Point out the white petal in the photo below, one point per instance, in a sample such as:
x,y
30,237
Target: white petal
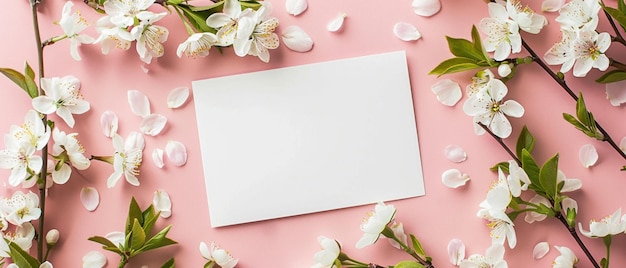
x,y
336,23
296,7
616,92
448,92
94,259
109,123
426,8
540,250
455,153
90,198
504,70
456,251
177,97
552,5
622,144
296,39
406,31
176,153
162,203
453,178
588,155
153,124
157,157
139,103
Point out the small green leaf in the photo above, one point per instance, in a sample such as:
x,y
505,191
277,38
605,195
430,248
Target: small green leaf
x,y
530,167
463,48
417,246
137,237
134,213
408,264
21,258
17,78
525,141
106,244
158,240
478,45
616,14
455,65
612,76
504,166
581,110
149,218
28,71
572,120
547,176
169,264
197,18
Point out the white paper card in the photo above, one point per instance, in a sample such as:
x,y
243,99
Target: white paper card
x,y
308,138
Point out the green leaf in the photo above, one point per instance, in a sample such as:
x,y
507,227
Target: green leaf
x,y
408,264
17,78
525,141
572,120
137,237
455,65
21,258
29,79
106,244
169,264
197,18
612,76
530,167
581,110
134,213
417,246
464,49
149,219
616,14
28,71
158,240
478,45
504,166
547,176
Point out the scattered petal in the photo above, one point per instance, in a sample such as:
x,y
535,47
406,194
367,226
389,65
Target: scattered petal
x,y
616,92
588,155
336,23
162,203
296,39
448,92
552,5
139,103
94,259
296,7
426,8
456,251
406,31
157,157
177,97
90,198
455,153
540,250
453,178
109,123
153,124
176,153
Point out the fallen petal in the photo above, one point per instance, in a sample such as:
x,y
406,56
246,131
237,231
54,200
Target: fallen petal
x,y
162,203
153,124
296,39
455,153
453,178
177,97
157,157
94,259
540,250
109,123
90,198
448,92
616,92
176,153
406,31
456,251
336,23
588,155
296,7
139,103
552,5
426,8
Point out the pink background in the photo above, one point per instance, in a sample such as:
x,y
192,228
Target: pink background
x,y
438,217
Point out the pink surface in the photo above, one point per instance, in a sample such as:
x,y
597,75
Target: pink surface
x,y
438,217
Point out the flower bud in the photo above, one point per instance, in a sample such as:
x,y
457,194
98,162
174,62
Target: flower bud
x,y
504,69
52,237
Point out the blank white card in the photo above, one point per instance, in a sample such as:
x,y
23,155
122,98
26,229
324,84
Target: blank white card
x,y
308,138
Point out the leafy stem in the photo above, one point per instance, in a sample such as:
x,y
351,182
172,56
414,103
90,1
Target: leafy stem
x,y
580,243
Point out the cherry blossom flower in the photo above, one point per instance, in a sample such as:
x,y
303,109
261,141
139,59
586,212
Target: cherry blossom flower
x,y
67,150
124,12
20,208
518,179
525,17
255,34
567,259
217,255
127,159
579,15
569,184
562,52
493,209
502,33
72,24
398,232
494,257
373,226
197,45
112,36
23,236
150,37
327,257
488,109
227,21
608,226
63,97
589,50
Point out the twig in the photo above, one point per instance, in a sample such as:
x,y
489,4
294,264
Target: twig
x,y
574,234
501,142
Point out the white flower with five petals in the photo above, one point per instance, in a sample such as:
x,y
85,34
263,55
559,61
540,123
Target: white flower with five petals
x,y
127,159
23,236
493,209
608,226
579,15
567,259
197,44
493,258
124,12
562,52
217,256
518,179
503,36
228,22
525,17
150,37
374,225
63,97
327,257
112,36
20,208
67,150
72,24
589,50
255,34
